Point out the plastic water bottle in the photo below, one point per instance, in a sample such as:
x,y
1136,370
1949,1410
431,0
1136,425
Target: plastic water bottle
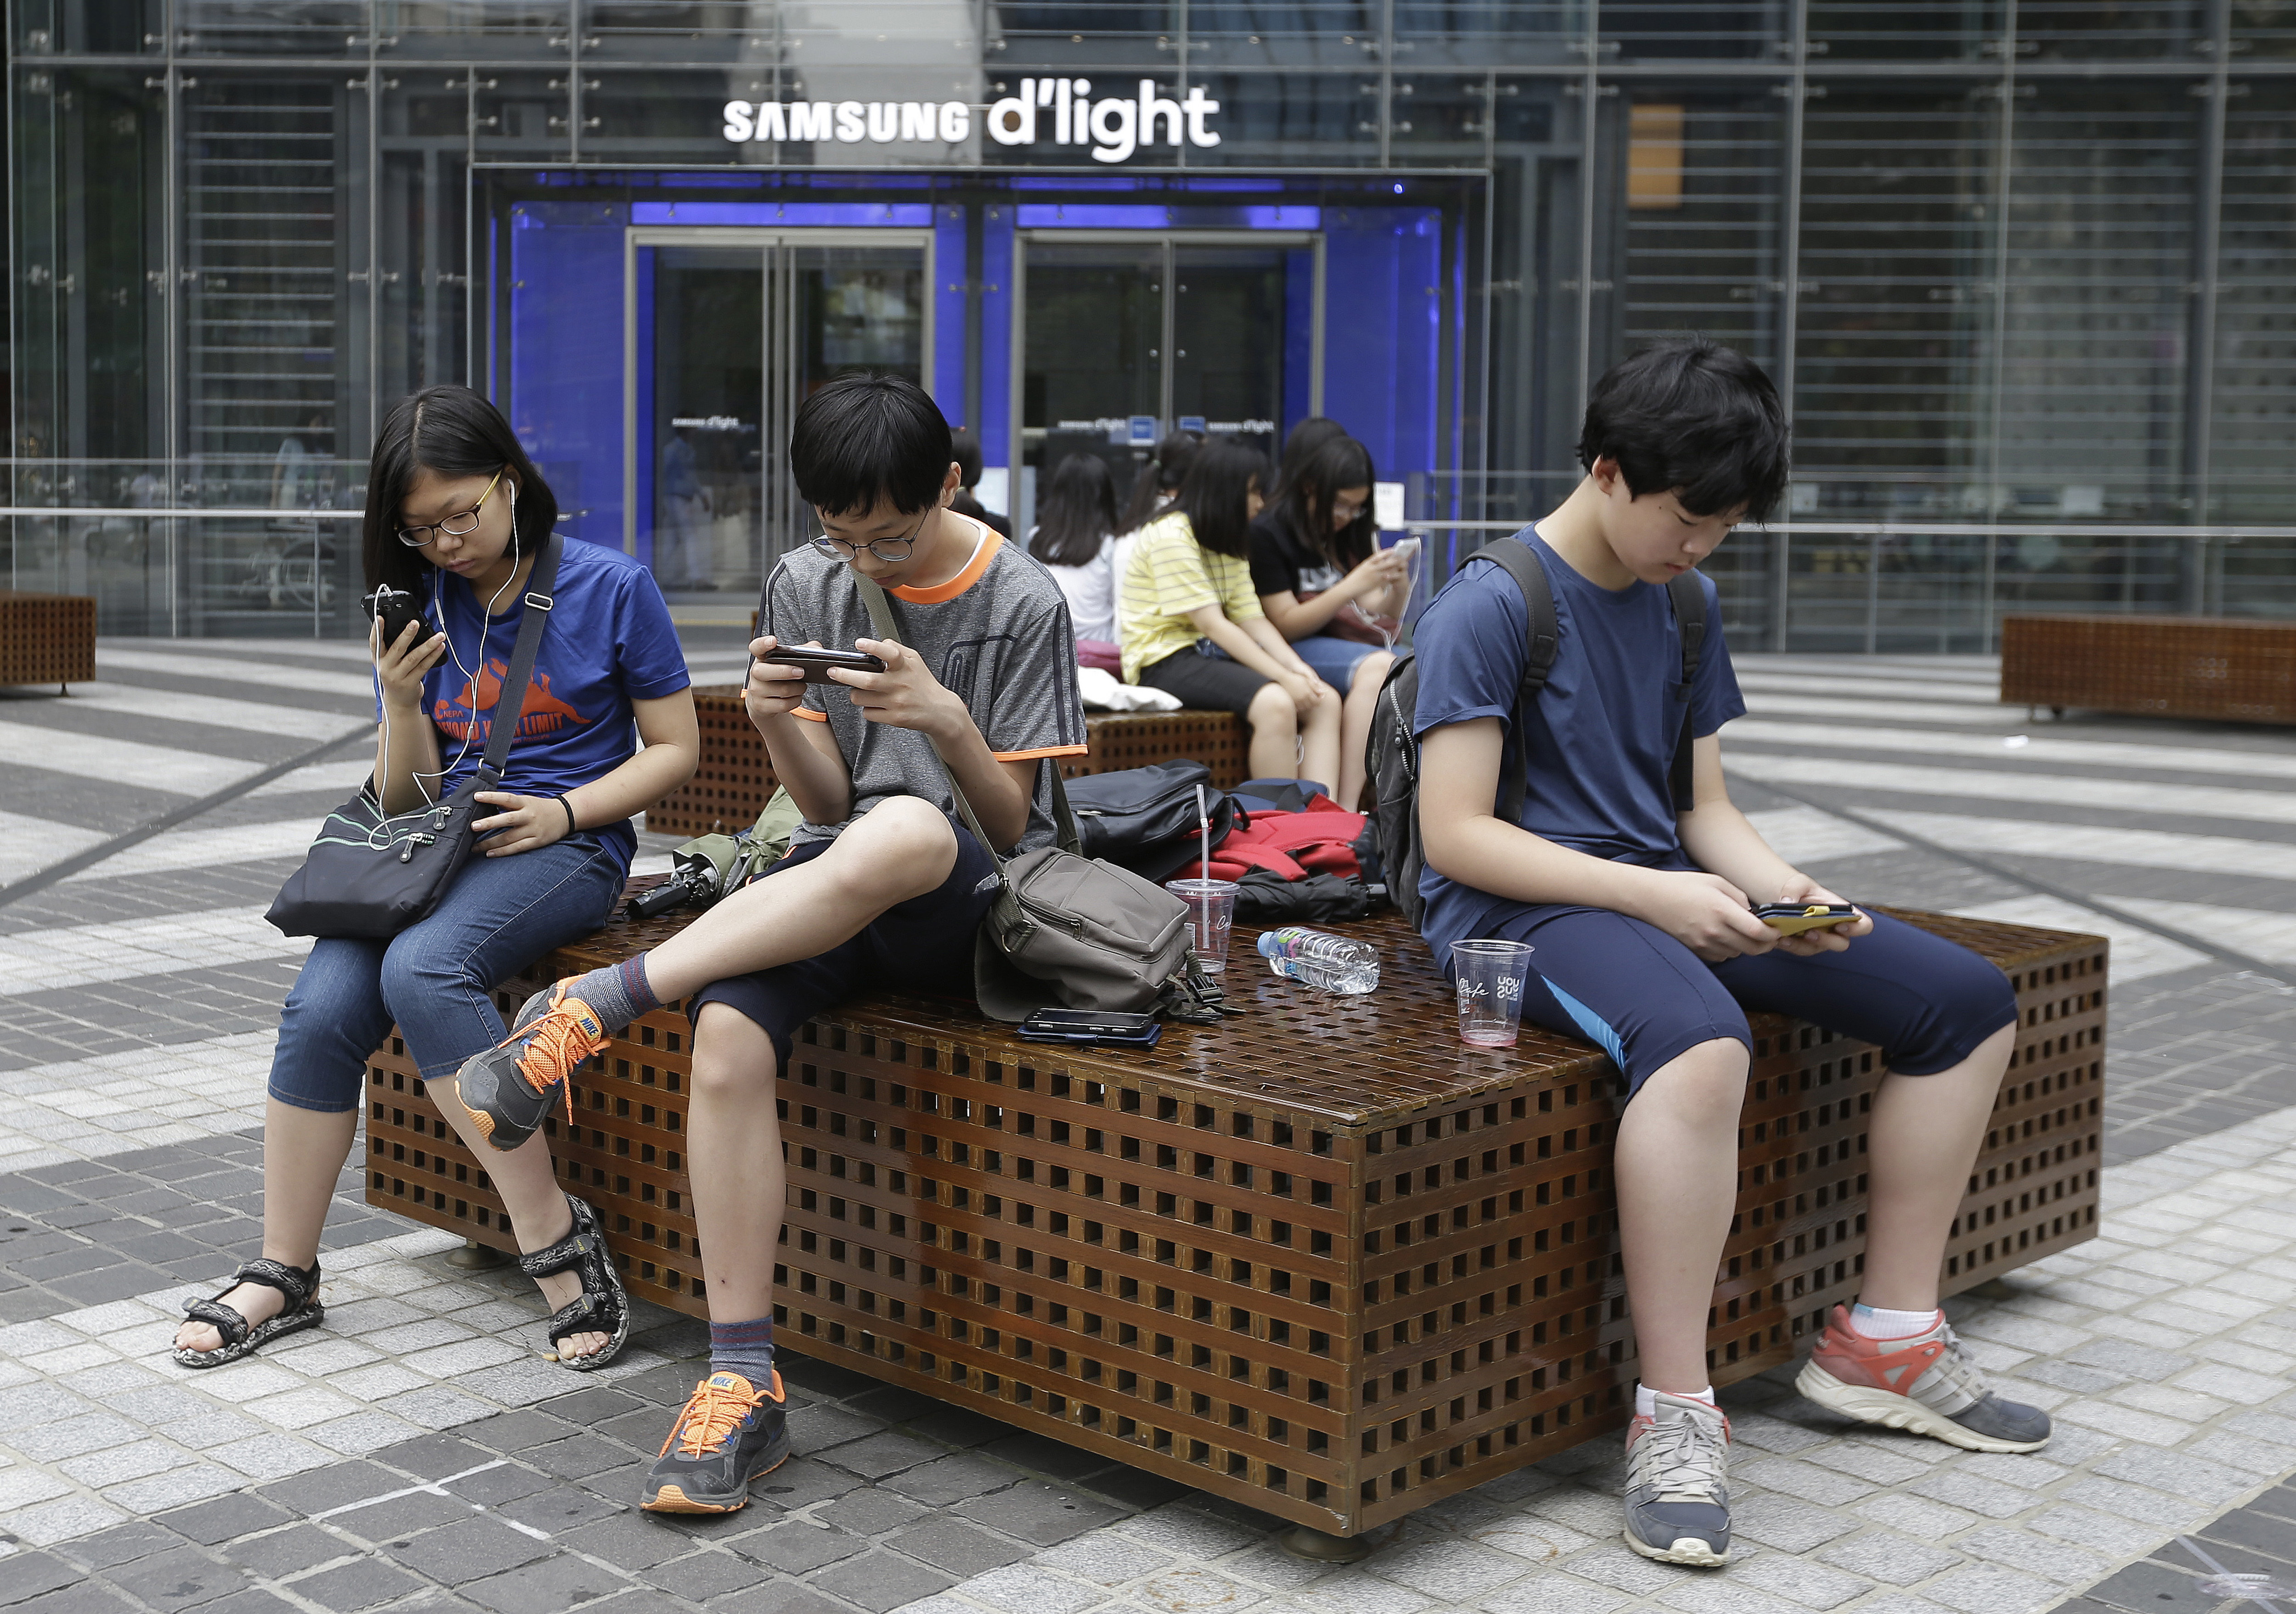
x,y
1327,962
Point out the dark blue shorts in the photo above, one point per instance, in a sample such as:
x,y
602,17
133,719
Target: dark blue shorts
x,y
922,945
1644,999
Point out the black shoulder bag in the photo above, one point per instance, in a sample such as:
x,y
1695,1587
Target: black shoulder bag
x,y
369,876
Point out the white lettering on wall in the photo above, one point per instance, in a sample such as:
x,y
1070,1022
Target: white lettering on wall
x,y
1114,126
849,122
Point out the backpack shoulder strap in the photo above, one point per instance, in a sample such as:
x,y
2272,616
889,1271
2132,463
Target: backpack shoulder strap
x,y
541,579
1545,636
1687,593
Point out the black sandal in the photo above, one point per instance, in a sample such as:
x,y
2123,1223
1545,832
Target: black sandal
x,y
241,1337
602,1308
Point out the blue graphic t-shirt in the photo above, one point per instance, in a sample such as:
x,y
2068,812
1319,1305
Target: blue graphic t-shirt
x,y
1602,733
608,642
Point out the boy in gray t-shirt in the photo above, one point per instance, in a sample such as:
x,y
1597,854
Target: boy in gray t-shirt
x,y
882,886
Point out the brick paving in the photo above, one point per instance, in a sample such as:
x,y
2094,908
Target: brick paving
x,y
419,1452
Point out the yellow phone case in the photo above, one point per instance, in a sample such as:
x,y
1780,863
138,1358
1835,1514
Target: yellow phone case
x,y
1815,918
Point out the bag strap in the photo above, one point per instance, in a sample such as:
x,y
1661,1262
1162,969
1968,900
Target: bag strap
x,y
881,617
1545,635
1688,596
511,696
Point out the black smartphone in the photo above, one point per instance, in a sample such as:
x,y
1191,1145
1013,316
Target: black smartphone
x,y
396,607
1792,918
1092,1026
816,663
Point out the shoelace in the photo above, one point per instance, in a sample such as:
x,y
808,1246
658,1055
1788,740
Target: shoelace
x,y
555,1041
1955,1371
710,1416
1685,1458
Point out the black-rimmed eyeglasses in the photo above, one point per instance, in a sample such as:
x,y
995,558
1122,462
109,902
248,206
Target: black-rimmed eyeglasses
x,y
884,549
461,524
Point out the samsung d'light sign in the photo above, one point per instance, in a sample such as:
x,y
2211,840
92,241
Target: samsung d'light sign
x,y
1048,111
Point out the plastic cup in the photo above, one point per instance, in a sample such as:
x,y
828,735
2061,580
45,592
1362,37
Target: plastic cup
x,y
1211,913
1490,977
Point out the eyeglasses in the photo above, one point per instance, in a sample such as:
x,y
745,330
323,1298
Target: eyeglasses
x,y
459,525
884,549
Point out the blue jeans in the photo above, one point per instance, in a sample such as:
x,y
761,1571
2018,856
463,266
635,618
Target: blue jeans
x,y
435,978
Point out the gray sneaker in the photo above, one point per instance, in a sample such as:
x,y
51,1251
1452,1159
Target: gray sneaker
x,y
1927,1383
1679,1483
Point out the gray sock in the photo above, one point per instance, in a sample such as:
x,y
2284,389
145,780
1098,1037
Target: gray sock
x,y
617,994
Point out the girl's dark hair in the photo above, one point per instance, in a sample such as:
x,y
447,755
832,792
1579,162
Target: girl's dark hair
x,y
1306,437
449,431
1694,418
1166,470
862,438
1076,515
1215,495
1303,505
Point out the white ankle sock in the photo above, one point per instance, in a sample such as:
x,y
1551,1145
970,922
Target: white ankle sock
x,y
1647,1398
1877,1324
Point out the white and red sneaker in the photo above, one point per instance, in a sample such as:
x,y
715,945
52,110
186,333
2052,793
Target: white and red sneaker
x,y
1927,1383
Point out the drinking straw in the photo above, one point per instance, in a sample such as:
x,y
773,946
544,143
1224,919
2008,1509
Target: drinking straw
x,y
1204,828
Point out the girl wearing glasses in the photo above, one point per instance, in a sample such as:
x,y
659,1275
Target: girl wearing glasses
x,y
1327,585
455,514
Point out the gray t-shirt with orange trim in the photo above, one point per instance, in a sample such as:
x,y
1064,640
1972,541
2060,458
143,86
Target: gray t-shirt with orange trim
x,y
996,635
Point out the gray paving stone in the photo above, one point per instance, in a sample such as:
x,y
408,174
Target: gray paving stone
x,y
469,1550
795,1546
27,1574
433,1456
123,1544
952,1478
361,1584
279,1553
878,1580
961,1549
2152,1588
401,1517
700,1576
88,1597
881,1455
580,1455
637,1541
548,1587
1037,1513
181,1578
224,1519
1892,1559
331,1487
870,1511
801,1482
561,1508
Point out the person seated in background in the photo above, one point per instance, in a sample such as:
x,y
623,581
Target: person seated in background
x,y
1191,625
966,447
1329,587
1157,482
1075,537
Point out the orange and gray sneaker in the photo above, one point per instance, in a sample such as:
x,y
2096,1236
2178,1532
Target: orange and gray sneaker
x,y
728,1435
1678,1491
1927,1383
510,1089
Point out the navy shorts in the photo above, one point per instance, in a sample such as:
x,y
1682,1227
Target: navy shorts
x,y
1644,999
922,945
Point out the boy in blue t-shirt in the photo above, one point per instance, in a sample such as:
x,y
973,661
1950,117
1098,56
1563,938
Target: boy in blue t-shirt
x,y
1647,943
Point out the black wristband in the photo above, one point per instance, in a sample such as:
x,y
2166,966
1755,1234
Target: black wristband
x,y
571,827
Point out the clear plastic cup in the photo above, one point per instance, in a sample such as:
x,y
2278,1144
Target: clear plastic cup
x,y
1490,977
1212,913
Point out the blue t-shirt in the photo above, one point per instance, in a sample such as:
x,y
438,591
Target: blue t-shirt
x,y
1602,733
608,642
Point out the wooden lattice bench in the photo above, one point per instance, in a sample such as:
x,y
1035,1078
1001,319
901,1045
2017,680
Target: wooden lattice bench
x,y
735,778
2219,668
1324,1260
46,638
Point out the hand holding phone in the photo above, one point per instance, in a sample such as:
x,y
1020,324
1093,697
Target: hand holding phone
x,y
395,608
816,663
1793,918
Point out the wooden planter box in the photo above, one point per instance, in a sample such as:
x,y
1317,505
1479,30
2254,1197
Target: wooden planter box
x,y
735,780
1324,1260
2229,669
46,638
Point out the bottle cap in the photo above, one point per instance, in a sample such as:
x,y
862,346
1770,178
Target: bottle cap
x,y
1270,946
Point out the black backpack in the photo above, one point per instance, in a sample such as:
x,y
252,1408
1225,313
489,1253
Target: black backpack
x,y
1145,818
1391,753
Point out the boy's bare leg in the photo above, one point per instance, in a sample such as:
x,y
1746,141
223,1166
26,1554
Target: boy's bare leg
x,y
1676,1161
1274,723
900,848
303,1153
1355,726
1923,1136
734,1161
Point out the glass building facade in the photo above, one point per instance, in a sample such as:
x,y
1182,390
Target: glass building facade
x,y
2020,268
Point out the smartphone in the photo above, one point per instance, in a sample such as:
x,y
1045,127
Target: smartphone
x,y
1408,548
1092,1026
816,663
396,607
1792,918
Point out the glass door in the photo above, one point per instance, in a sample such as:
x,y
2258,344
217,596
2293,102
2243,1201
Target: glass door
x,y
1123,338
730,330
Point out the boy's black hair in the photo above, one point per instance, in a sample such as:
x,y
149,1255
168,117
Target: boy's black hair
x,y
1302,505
1075,514
1693,417
450,432
1215,495
864,437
